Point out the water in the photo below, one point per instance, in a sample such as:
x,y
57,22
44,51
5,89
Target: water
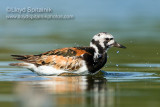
x,y
130,78
107,89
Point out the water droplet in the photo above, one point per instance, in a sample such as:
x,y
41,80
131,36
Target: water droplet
x,y
117,52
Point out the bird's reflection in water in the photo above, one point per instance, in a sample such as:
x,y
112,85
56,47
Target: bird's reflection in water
x,y
64,91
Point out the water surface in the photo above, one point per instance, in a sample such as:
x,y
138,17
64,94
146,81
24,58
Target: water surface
x,y
108,89
131,77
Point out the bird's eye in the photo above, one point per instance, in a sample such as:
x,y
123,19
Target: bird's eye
x,y
107,39
111,38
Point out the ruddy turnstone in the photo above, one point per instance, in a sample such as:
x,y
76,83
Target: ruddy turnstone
x,y
78,60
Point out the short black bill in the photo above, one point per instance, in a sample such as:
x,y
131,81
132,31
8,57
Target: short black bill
x,y
118,45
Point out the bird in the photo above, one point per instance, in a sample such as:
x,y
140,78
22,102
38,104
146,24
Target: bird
x,y
75,60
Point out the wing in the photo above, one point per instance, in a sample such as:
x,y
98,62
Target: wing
x,y
69,59
61,62
67,52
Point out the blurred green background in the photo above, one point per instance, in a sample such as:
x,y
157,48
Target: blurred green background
x,y
133,23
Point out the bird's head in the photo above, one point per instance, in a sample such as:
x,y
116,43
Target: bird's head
x,y
103,41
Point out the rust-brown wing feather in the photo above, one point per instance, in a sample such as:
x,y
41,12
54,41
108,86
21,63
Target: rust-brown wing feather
x,y
66,52
66,58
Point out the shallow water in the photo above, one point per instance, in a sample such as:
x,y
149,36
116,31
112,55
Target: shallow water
x,y
131,77
22,88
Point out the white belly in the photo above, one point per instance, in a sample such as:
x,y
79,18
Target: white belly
x,y
50,70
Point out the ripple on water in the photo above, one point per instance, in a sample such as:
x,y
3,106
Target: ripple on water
x,y
143,65
132,75
129,76
9,73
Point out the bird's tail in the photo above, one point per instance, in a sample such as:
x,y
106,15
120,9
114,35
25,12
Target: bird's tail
x,y
20,57
28,63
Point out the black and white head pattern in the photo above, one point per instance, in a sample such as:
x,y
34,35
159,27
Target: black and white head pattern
x,y
101,42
